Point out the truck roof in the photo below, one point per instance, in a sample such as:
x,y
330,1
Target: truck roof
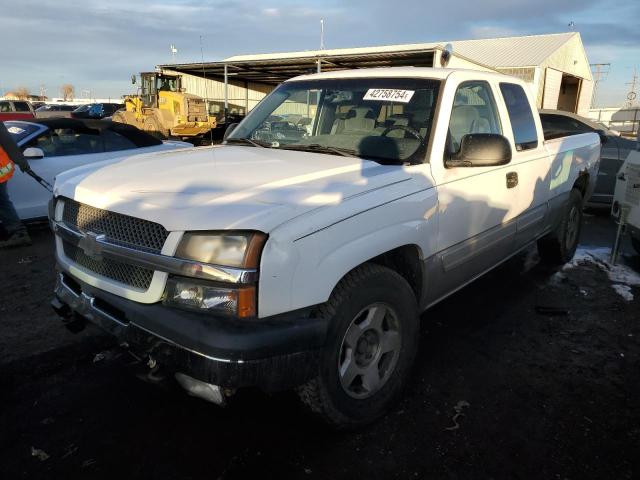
x,y
404,72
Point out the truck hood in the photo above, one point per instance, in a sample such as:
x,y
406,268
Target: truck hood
x,y
224,187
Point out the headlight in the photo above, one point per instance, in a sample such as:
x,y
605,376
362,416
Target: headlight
x,y
233,249
205,297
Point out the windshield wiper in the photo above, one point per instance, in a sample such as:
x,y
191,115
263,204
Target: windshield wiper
x,y
247,141
317,148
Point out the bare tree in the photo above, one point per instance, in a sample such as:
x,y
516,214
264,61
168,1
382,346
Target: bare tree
x,y
20,93
67,91
23,93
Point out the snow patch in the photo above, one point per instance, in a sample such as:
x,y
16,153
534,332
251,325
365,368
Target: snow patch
x,y
600,256
624,291
622,276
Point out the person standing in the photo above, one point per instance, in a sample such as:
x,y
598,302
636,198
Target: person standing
x,y
10,156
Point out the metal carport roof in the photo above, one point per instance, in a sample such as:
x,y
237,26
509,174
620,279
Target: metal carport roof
x,y
277,70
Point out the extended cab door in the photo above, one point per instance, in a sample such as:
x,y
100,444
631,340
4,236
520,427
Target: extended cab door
x,y
530,163
476,205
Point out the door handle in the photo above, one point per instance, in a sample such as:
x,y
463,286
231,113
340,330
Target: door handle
x,y
512,179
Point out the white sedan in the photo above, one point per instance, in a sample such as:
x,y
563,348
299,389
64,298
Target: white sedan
x,y
55,145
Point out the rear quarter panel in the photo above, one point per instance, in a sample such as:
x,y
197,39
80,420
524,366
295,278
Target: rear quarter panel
x,y
572,157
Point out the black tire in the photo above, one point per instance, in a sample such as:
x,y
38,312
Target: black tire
x,y
378,289
152,127
560,246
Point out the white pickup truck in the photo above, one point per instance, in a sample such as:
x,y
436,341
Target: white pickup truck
x,y
301,253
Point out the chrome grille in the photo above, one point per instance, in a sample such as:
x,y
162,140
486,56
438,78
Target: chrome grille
x,y
130,275
121,229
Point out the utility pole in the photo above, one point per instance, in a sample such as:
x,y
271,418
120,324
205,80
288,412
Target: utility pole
x,y
174,50
631,96
600,71
319,62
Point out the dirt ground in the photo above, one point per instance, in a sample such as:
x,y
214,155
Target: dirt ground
x,y
543,364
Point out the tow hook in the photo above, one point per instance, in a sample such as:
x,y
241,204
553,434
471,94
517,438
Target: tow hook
x,y
72,321
206,391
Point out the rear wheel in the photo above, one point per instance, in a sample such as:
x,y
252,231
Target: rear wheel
x,y
371,345
559,247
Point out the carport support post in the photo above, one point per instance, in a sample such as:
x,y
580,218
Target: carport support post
x,y
226,92
319,66
622,220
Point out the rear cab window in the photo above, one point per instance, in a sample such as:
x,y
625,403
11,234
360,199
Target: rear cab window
x,y
21,107
555,126
521,117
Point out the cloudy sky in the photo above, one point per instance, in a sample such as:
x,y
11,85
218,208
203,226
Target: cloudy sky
x,y
96,45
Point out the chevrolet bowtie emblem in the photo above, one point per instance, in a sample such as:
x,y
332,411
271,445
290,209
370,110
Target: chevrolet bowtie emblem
x,y
90,245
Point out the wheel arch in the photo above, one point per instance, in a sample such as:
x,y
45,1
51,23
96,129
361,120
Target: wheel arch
x,y
582,184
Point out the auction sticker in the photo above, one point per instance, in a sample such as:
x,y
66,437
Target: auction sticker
x,y
389,95
15,130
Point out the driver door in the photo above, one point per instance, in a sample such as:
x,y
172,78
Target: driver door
x,y
476,205
149,94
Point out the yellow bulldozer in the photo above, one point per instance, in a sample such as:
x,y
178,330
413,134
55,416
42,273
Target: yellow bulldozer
x,y
163,109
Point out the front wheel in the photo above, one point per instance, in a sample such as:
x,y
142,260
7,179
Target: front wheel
x,y
559,247
152,126
371,345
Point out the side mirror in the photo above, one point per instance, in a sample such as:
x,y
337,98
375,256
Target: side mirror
x,y
133,79
481,150
603,136
33,153
229,129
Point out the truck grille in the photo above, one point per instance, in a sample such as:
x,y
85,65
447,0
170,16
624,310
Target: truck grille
x,y
130,275
121,229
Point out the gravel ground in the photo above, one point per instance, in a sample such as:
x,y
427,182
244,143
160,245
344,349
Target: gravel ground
x,y
542,364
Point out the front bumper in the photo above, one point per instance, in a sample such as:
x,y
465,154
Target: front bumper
x,y
275,353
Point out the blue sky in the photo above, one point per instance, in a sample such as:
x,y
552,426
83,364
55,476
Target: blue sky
x,y
96,44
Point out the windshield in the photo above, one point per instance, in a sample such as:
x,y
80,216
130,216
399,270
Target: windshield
x,y
166,84
383,119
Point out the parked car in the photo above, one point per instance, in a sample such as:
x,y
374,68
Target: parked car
x,y
96,110
615,148
55,110
58,144
303,261
15,110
